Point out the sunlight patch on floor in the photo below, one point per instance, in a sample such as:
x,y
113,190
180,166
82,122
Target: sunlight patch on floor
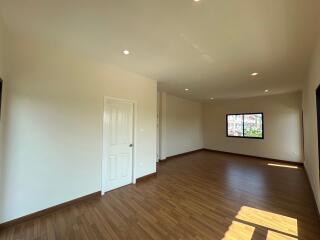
x,y
282,165
239,231
269,220
276,226
278,236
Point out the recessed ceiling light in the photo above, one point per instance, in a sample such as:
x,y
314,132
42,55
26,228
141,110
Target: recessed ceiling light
x,y
186,89
254,74
266,91
211,98
126,52
196,0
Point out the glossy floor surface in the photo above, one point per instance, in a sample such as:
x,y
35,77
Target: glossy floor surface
x,y
203,195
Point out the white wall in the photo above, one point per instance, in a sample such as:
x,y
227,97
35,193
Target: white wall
x,y
310,124
4,77
282,126
183,128
163,125
54,127
158,124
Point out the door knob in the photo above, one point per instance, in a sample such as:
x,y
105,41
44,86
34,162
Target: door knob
x,y
131,145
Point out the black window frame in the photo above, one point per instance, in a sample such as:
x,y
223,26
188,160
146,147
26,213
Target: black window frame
x,y
243,114
318,119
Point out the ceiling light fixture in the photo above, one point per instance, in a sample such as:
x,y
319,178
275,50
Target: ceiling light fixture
x,y
186,89
266,91
254,74
196,0
211,98
126,52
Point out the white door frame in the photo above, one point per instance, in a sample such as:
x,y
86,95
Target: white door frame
x,y
104,145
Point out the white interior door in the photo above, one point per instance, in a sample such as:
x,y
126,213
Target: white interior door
x,y
118,141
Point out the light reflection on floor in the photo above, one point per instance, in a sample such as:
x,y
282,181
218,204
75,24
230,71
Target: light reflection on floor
x,y
255,178
282,165
248,220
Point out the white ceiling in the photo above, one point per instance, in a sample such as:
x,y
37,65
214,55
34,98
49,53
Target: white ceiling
x,y
210,46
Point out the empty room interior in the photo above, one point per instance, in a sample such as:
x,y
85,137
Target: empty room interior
x,y
145,119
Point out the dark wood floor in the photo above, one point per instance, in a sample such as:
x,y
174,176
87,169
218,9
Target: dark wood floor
x,y
203,195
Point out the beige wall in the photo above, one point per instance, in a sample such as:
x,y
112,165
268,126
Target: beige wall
x,y
310,124
282,126
54,127
183,125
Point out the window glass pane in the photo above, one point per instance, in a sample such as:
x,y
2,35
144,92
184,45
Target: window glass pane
x,y
235,125
253,125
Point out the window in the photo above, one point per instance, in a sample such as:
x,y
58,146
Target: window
x,y
245,125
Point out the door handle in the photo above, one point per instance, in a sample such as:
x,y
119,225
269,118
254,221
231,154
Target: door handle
x,y
131,145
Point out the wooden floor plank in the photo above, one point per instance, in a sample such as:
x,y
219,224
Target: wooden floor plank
x,y
203,195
